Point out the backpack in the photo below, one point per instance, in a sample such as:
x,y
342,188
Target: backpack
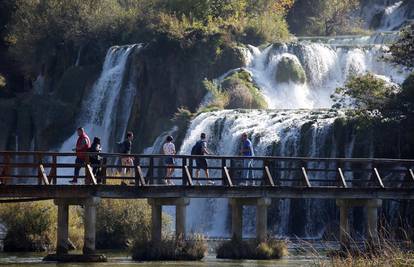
x,y
120,147
196,150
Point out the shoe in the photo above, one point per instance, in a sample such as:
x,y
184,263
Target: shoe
x,y
210,183
123,183
73,182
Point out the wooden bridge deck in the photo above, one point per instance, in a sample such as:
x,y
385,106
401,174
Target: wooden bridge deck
x,y
46,175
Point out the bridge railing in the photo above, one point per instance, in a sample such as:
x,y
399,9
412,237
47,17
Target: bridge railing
x,y
49,168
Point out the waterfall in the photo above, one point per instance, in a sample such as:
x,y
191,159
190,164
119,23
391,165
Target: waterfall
x,y
112,94
299,123
326,65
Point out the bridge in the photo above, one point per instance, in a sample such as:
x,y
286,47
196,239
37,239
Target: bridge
x,y
31,176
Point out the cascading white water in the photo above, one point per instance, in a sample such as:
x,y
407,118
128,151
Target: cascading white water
x,y
327,66
110,94
303,130
278,132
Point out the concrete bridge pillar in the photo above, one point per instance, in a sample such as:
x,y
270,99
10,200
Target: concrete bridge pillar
x,y
371,212
156,216
261,218
180,216
343,222
90,225
62,246
236,218
371,208
156,220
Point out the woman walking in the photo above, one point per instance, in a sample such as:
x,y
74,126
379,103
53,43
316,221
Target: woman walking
x,y
169,149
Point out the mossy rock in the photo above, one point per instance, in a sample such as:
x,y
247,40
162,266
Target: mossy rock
x,y
290,70
242,92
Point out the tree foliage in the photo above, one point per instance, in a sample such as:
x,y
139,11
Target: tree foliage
x,y
324,17
402,51
364,92
40,27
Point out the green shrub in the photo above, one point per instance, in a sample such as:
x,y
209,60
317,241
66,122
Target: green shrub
x,y
119,222
32,226
195,248
241,249
365,92
242,92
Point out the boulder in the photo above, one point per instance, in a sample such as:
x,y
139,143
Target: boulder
x,y
289,70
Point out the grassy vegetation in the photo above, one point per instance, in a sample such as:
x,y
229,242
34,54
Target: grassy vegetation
x,y
170,248
32,226
241,249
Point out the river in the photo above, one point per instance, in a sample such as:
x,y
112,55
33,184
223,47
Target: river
x,y
116,258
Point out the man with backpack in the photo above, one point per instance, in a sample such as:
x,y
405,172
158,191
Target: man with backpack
x,y
199,149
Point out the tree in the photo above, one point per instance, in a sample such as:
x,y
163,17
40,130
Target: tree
x,y
364,92
402,51
325,17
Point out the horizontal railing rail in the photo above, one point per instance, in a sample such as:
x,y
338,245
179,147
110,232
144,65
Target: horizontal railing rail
x,y
150,170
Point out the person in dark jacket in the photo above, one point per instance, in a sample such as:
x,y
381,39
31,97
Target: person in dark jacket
x,y
126,148
95,159
82,145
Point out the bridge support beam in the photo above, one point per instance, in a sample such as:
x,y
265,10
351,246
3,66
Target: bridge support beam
x,y
371,212
62,246
261,216
156,216
371,208
90,225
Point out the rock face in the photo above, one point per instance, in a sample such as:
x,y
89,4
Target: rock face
x,y
289,70
169,76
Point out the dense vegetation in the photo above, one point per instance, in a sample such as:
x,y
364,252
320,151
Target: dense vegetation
x,y
241,249
39,28
32,226
119,222
170,248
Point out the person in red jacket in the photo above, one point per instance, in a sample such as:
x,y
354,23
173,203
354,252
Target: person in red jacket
x,y
82,145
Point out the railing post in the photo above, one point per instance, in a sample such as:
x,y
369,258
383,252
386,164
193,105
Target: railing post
x,y
267,175
53,171
150,172
39,174
223,173
103,172
183,171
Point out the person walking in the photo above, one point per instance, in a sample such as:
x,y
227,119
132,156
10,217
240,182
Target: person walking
x,y
200,148
95,159
126,148
246,150
169,149
82,146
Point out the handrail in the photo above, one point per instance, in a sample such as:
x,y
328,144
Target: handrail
x,y
309,159
148,169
